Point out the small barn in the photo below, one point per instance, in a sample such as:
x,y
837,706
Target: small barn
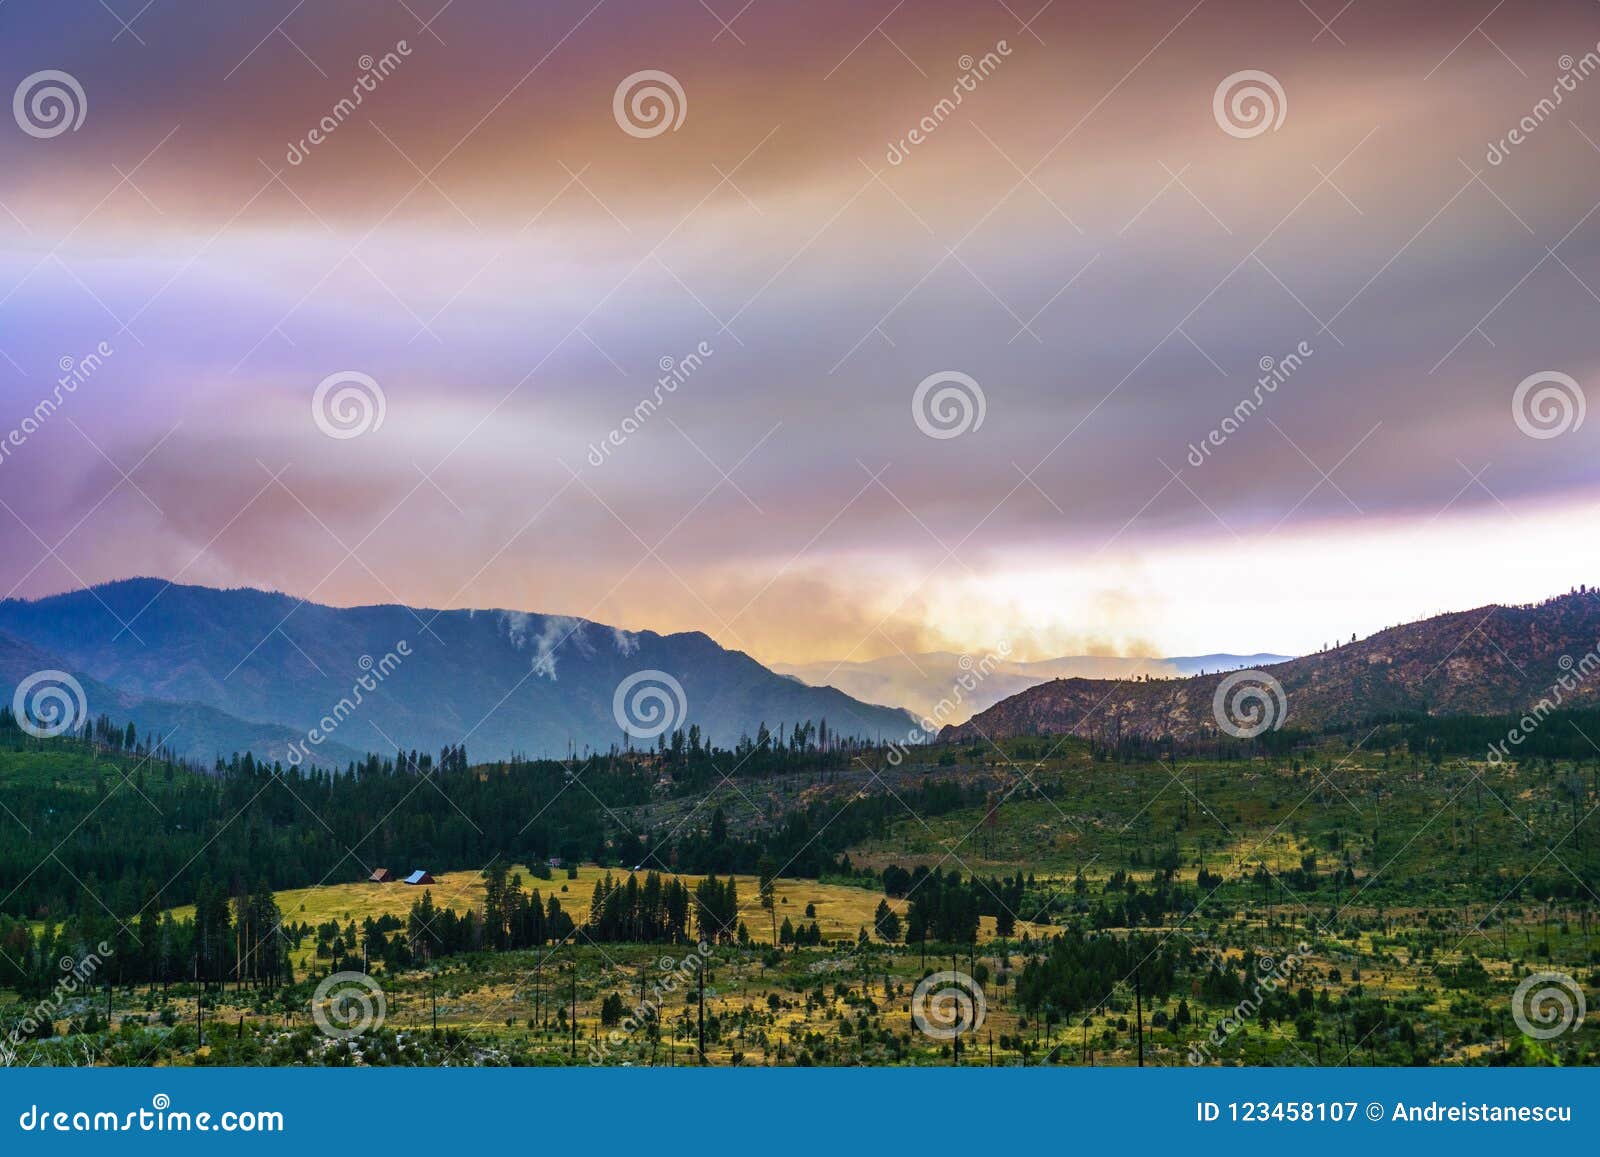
x,y
420,876
381,876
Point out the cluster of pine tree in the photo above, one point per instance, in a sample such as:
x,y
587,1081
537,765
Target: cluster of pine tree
x,y
515,920
804,936
946,908
943,909
1136,906
655,912
1078,971
716,910
657,909
237,939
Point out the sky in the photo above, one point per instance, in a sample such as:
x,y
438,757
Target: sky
x,y
807,354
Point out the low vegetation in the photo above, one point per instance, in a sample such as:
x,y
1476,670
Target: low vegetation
x,y
1371,898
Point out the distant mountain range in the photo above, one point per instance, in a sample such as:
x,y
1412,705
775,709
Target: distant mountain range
x,y
920,682
213,672
198,731
236,670
1495,660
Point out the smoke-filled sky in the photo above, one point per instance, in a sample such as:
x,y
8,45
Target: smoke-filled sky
x,y
1092,253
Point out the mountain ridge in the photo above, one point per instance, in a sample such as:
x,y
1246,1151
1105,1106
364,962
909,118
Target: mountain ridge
x,y
207,732
1491,660
505,682
922,682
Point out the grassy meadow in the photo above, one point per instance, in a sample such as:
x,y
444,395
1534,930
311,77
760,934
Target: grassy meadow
x,y
1412,895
